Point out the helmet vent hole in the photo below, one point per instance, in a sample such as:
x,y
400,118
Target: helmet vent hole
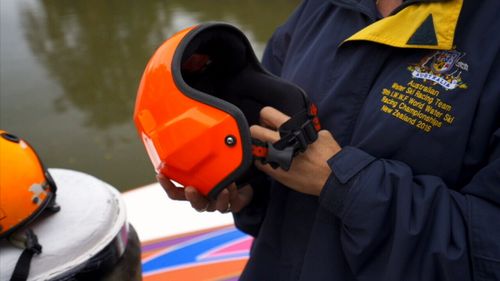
x,y
11,137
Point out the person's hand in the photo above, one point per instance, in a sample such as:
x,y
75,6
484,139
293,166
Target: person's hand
x,y
230,199
309,170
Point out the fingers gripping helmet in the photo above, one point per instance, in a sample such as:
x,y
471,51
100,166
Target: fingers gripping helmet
x,y
26,187
199,94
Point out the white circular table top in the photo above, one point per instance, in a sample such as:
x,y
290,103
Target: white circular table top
x,y
91,216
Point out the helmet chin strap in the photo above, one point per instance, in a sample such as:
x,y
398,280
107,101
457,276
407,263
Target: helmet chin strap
x,y
295,135
29,242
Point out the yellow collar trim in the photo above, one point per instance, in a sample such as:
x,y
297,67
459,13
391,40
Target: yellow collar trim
x,y
398,29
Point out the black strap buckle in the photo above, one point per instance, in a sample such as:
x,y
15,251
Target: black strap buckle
x,y
279,157
296,134
300,137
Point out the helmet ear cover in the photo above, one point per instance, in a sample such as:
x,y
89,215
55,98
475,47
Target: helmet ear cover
x,y
215,72
219,61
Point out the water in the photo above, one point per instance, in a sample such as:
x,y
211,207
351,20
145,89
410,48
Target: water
x,y
69,71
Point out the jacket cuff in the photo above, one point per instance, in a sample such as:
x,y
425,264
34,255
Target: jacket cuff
x,y
345,165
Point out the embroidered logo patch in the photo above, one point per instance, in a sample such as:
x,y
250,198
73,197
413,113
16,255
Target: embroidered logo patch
x,y
420,101
443,68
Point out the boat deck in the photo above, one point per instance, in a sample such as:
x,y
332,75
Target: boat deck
x,y
179,243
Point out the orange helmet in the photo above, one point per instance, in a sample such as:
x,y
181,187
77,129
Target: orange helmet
x,y
199,94
26,188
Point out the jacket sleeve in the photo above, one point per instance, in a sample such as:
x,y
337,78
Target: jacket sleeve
x,y
396,223
250,218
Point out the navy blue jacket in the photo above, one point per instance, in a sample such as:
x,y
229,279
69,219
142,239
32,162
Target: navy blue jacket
x,y
414,101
